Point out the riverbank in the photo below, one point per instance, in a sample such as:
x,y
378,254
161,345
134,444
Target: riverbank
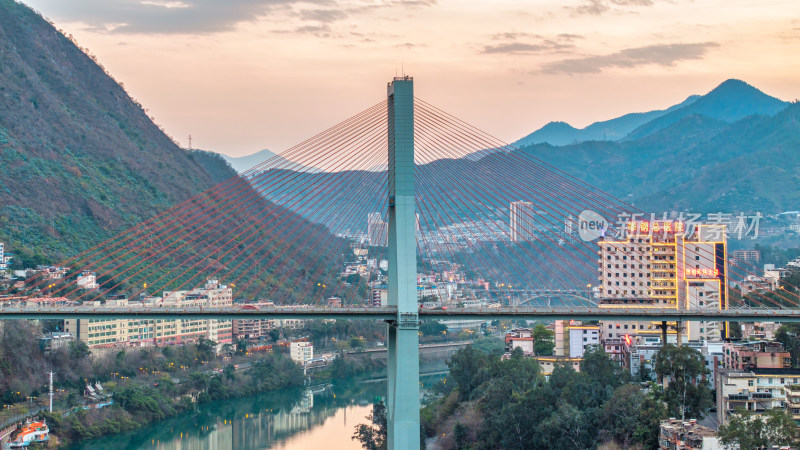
x,y
320,416
140,402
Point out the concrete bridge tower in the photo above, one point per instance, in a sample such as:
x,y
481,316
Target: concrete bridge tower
x,y
403,334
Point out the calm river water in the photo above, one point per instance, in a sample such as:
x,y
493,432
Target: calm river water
x,y
321,417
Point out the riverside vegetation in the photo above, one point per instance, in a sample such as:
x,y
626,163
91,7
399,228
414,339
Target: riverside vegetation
x,y
145,384
493,403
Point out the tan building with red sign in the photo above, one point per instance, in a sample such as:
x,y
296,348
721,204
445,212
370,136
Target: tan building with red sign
x,y
657,265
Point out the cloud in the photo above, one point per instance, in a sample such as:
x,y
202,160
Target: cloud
x,y
161,16
598,7
561,42
659,54
569,37
323,15
205,16
513,35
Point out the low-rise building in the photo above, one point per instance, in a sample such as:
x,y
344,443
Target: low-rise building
x,y
140,332
55,340
756,354
755,390
791,392
676,434
87,280
572,338
520,338
380,296
759,330
252,330
548,363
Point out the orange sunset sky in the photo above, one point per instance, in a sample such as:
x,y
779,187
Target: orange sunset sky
x,y
243,75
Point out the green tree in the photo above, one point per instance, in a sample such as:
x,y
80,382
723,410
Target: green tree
x,y
356,342
747,430
373,435
543,340
241,347
466,367
787,334
683,369
600,368
621,413
432,328
651,414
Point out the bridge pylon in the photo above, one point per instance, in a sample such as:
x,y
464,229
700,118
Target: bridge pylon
x,y
403,332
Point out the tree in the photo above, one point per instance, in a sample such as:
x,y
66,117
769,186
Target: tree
x,y
428,298
543,341
432,328
620,416
356,342
787,334
466,369
373,436
687,392
600,368
747,430
241,347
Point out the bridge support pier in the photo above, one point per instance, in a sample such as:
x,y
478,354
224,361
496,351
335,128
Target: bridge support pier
x,y
403,386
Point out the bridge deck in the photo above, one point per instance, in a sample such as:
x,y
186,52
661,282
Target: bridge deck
x,y
390,313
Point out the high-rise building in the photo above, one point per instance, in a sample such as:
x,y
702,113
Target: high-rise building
x,y
658,266
521,221
377,230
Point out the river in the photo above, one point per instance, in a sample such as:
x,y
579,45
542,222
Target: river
x,y
319,417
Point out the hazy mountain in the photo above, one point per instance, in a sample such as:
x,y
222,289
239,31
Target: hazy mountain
x,y
562,133
730,101
243,163
697,163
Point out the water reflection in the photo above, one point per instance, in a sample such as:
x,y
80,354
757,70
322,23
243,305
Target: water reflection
x,y
318,417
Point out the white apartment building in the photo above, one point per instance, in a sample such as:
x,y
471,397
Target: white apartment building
x,y
657,266
301,352
87,280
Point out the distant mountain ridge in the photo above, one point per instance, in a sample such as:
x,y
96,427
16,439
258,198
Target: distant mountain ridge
x,y
732,100
243,163
562,133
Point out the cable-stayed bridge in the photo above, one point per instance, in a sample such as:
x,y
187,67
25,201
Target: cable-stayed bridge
x,y
406,196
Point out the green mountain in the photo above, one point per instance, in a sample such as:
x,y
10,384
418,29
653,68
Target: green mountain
x,y
697,163
79,159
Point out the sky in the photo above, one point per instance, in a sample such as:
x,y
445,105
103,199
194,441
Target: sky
x,y
243,75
